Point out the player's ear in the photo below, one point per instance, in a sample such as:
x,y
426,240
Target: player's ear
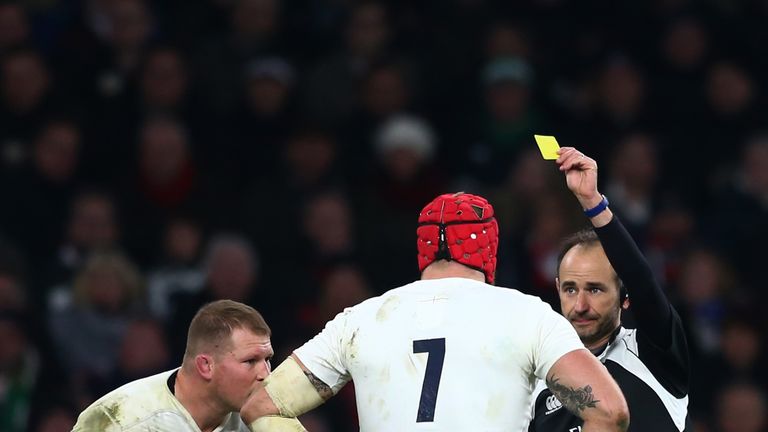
x,y
557,284
204,366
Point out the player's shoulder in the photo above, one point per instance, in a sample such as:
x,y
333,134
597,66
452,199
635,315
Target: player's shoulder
x,y
511,298
466,291
127,404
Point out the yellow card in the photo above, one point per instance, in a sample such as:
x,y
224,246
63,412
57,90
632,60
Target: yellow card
x,y
548,146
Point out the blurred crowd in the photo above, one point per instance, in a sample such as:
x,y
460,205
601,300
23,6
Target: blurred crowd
x,y
157,155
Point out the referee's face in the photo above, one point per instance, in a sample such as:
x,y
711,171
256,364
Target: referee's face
x,y
589,294
242,366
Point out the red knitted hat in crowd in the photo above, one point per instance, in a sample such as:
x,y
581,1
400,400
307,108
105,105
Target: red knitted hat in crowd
x,y
459,227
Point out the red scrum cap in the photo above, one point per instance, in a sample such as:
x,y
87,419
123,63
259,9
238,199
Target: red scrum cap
x,y
459,227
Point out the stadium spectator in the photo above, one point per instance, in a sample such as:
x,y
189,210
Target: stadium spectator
x,y
19,372
14,26
143,351
92,225
632,183
29,378
25,101
164,82
231,271
166,180
492,142
705,288
549,223
256,133
327,238
343,287
40,192
178,270
405,176
331,94
507,39
732,110
739,359
739,225
255,30
57,419
308,165
529,190
387,92
742,407
88,321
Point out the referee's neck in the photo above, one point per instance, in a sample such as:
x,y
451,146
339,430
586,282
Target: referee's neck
x,y
601,345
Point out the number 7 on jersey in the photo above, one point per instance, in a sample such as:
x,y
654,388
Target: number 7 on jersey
x,y
435,349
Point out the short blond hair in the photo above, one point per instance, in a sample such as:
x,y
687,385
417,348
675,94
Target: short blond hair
x,y
211,328
123,269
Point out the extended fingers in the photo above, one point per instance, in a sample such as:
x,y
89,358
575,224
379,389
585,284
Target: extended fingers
x,y
569,158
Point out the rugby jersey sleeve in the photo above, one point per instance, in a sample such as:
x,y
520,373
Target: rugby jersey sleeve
x,y
96,418
554,337
324,354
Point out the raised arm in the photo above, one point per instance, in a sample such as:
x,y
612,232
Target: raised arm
x,y
649,303
584,386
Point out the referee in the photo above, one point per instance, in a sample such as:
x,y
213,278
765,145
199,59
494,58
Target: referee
x,y
599,270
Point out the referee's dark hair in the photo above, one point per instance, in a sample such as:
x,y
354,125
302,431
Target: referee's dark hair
x,y
588,238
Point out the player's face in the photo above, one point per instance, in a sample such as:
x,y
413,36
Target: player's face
x,y
589,294
239,369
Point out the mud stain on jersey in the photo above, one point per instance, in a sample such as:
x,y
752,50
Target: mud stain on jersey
x,y
495,406
102,419
352,346
113,410
384,376
389,305
410,367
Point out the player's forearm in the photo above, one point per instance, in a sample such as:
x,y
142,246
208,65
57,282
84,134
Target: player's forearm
x,y
276,424
259,405
288,392
601,410
323,389
583,385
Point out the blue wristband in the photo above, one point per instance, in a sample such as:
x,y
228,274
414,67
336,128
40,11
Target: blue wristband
x,y
596,210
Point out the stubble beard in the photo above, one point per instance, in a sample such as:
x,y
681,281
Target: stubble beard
x,y
604,325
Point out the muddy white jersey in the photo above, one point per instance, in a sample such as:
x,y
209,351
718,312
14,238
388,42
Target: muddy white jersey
x,y
448,354
146,405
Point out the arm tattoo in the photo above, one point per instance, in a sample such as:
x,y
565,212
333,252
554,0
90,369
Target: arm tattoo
x,y
575,399
323,389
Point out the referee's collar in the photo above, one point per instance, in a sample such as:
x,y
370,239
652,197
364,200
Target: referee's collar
x,y
601,350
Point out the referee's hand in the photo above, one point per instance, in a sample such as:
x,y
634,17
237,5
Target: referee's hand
x,y
580,175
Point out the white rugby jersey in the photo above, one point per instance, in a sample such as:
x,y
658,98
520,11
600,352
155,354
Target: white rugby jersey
x,y
449,354
146,405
